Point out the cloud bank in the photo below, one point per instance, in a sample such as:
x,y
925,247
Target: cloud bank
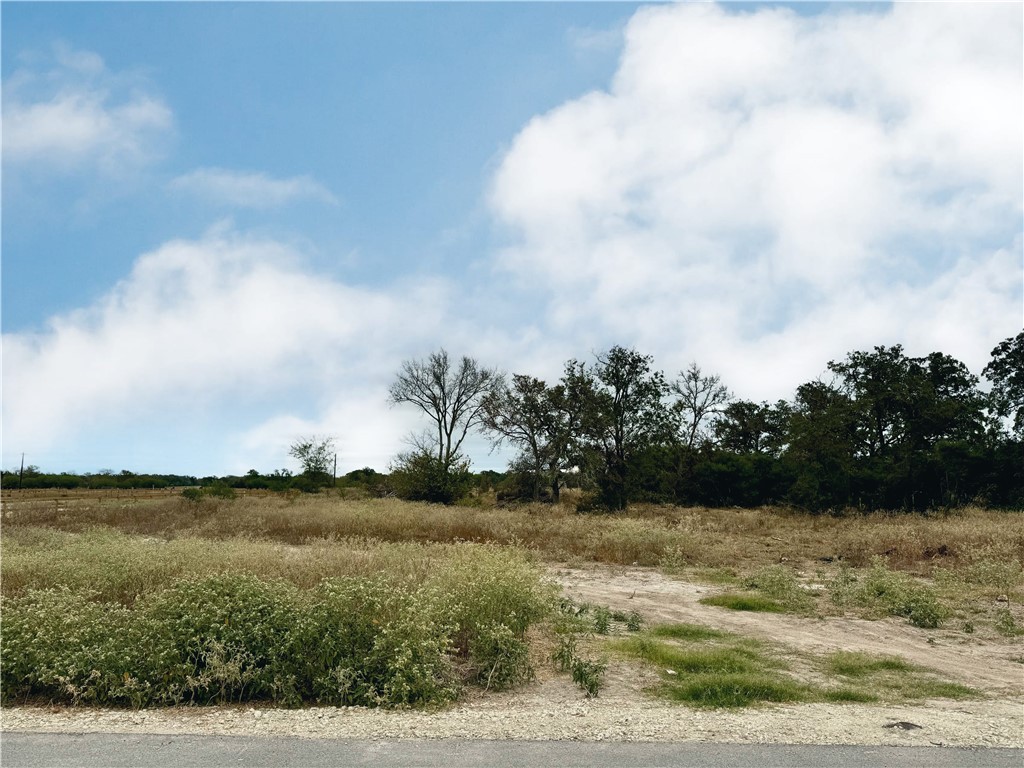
x,y
764,191
220,319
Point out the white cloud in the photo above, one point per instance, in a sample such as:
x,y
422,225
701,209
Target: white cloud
x,y
250,190
224,319
78,113
764,192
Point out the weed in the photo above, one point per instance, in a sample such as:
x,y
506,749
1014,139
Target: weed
x,y
881,591
364,639
565,652
588,675
1006,624
744,602
602,620
781,584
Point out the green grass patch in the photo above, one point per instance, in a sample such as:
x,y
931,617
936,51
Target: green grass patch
x,y
854,664
687,632
695,660
738,601
710,668
848,696
891,678
781,584
732,690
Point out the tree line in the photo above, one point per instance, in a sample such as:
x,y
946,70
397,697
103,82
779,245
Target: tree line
x,y
882,430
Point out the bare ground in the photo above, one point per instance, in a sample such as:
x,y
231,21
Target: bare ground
x,y
984,664
553,708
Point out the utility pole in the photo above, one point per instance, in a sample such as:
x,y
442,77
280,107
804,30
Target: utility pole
x,y
21,472
335,470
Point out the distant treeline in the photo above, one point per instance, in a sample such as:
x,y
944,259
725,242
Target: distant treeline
x,y
882,430
279,480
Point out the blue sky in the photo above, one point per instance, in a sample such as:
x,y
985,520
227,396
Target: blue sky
x,y
226,225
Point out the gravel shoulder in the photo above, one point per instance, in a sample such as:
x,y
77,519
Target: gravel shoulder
x,y
552,708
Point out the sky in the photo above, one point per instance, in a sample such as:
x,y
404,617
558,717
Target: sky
x,y
225,225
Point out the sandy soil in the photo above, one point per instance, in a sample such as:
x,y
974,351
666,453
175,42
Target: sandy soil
x,y
986,665
553,708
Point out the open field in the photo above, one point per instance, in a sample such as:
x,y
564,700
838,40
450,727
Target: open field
x,y
906,611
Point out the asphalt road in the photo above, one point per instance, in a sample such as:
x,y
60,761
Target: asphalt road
x,y
61,750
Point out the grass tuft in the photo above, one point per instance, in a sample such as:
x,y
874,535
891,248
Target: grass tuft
x,y
744,602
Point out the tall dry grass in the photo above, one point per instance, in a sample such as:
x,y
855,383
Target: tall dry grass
x,y
740,539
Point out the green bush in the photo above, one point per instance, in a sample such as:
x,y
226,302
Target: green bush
x,y
588,675
781,584
192,495
422,476
381,641
884,591
373,642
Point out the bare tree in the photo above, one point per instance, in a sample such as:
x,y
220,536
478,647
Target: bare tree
x,y
450,395
700,397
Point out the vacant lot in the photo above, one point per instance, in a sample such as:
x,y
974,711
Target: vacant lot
x,y
918,613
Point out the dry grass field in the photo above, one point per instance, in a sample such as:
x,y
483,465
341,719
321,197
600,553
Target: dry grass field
x,y
958,573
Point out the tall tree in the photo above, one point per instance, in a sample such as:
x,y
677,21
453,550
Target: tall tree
x,y
881,384
450,395
315,455
699,399
1006,372
540,421
822,440
622,401
753,428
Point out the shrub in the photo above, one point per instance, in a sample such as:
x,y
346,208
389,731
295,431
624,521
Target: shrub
x,y
374,641
881,590
781,584
588,675
422,476
192,495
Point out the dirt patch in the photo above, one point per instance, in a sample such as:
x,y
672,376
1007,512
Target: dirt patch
x,y
988,666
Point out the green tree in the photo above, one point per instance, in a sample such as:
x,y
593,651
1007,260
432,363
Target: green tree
x,y
316,457
822,440
622,405
1006,372
746,427
540,421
